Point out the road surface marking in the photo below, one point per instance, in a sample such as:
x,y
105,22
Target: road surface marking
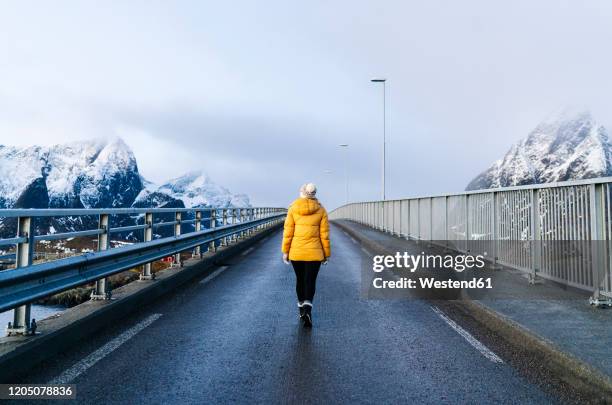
x,y
246,252
471,339
353,240
80,367
214,274
365,251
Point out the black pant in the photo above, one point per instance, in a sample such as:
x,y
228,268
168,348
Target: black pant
x,y
306,279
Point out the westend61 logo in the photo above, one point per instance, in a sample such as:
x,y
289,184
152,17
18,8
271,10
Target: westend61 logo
x,y
435,272
413,263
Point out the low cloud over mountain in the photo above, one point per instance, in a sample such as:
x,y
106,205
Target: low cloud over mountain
x,y
570,145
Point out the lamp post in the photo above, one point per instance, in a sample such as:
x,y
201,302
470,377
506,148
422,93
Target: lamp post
x,y
345,145
384,148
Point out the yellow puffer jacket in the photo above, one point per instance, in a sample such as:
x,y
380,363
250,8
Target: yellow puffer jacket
x,y
306,235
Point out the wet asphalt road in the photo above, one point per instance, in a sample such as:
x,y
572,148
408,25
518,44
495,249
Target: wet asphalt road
x,y
237,339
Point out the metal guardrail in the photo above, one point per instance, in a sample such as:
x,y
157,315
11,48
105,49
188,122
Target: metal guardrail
x,y
538,215
29,282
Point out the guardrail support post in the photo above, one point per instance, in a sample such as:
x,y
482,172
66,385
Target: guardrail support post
x,y
213,224
240,218
22,325
598,255
245,218
249,217
467,223
233,221
495,232
177,262
224,241
418,201
101,292
431,228
197,252
148,236
446,241
536,256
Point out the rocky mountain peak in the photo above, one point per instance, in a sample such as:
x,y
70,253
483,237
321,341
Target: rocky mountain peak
x,y
568,145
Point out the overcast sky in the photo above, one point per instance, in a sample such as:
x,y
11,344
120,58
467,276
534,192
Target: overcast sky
x,y
259,94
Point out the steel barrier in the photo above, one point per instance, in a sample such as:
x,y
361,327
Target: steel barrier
x,y
537,215
29,281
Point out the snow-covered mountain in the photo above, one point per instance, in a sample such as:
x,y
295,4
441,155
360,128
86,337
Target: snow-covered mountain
x,y
91,174
94,174
194,189
568,146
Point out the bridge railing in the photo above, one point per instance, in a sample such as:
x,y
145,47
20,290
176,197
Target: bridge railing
x,y
524,226
192,230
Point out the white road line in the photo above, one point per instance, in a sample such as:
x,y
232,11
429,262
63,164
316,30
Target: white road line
x,y
214,274
365,251
471,339
246,252
353,240
80,367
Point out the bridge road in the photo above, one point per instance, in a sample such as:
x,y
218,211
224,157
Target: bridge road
x,y
237,338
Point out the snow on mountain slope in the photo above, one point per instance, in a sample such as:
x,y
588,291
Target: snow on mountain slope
x,y
85,174
570,145
194,189
94,174
18,169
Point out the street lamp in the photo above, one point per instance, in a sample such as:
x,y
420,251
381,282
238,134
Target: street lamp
x,y
345,145
384,165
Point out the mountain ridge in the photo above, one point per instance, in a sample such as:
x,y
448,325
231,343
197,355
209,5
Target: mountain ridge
x,y
567,146
95,174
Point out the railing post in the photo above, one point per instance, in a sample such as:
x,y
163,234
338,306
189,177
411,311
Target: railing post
x,y
536,237
213,224
408,219
495,231
598,260
22,325
101,292
446,241
392,216
242,212
177,262
197,252
224,241
400,218
467,223
261,215
235,215
148,236
418,204
431,229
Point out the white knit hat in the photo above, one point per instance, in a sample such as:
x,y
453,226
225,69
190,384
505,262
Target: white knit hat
x,y
308,190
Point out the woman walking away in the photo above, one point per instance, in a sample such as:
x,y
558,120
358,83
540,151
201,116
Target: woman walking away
x,y
306,245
